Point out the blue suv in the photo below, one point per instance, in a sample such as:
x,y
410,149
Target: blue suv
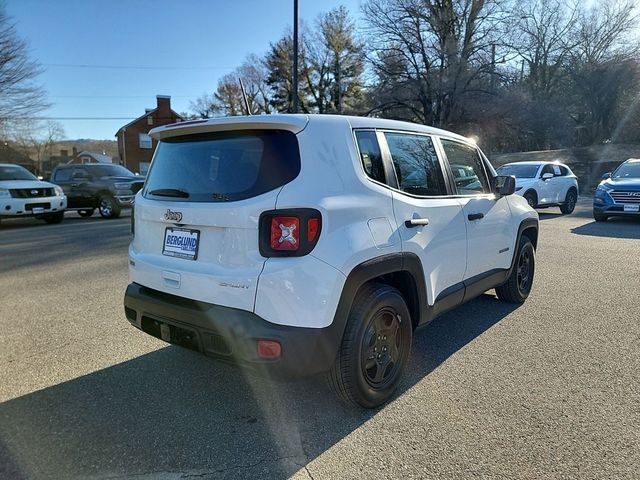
x,y
619,192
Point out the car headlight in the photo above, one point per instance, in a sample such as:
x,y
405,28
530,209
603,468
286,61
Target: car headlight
x,y
603,187
123,186
58,190
4,193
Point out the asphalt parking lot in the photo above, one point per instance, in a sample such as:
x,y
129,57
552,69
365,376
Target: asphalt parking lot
x,y
547,390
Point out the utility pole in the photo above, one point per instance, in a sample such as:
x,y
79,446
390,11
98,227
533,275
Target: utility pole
x,y
295,56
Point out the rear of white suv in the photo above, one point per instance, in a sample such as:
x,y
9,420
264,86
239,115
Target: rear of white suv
x,y
297,244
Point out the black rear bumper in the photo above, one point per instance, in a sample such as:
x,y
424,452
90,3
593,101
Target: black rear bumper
x,y
231,334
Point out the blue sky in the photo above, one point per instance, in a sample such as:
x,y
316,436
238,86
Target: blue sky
x,y
186,34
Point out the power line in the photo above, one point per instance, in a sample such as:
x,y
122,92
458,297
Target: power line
x,y
117,96
133,67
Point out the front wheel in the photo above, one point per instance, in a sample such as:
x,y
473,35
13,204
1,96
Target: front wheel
x,y
518,286
531,199
375,347
599,217
108,207
56,217
569,202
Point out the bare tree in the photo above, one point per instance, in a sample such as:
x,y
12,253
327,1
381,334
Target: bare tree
x,y
20,96
37,138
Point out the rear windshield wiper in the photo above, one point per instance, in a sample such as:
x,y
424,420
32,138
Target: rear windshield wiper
x,y
170,192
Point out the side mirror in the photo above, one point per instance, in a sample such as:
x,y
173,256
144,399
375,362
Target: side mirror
x,y
606,176
505,185
547,176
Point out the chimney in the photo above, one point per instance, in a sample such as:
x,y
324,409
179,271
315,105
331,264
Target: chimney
x,y
164,107
75,151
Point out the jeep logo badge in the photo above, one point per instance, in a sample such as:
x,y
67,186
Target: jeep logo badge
x,y
170,216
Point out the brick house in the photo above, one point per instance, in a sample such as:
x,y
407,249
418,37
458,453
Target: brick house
x,y
135,146
86,156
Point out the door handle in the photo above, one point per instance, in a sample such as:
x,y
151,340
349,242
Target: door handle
x,y
475,216
416,222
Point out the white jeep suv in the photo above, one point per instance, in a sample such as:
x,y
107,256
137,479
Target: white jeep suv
x,y
301,244
544,184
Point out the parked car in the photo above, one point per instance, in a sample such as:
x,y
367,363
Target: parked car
x,y
23,195
295,245
619,192
109,188
544,184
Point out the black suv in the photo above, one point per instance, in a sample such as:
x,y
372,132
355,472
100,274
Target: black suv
x,y
109,188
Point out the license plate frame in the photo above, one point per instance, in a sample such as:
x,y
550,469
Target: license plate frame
x,y
183,249
632,208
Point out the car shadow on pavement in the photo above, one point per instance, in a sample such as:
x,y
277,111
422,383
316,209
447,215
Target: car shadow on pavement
x,y
173,412
612,228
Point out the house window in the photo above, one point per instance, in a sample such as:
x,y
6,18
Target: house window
x,y
144,141
149,120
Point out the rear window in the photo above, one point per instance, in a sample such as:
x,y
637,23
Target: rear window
x,y
222,166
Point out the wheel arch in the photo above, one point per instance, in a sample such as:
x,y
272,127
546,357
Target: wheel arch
x,y
402,271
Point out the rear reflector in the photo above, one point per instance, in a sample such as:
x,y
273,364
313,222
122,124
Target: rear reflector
x,y
285,233
269,349
313,225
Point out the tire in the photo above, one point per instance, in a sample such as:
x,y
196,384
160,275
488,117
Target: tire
x,y
369,365
86,213
518,286
599,217
56,217
531,198
570,200
108,207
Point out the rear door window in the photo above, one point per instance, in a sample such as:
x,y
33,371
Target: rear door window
x,y
63,175
223,166
416,164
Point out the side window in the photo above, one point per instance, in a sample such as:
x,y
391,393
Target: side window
x,y
416,164
79,173
467,168
547,169
556,171
370,155
63,175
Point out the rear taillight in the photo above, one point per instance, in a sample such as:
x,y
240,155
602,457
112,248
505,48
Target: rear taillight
x,y
290,232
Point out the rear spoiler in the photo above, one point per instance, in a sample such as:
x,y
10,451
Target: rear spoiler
x,y
292,123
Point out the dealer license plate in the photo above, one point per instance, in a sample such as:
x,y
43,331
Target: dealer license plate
x,y
181,243
632,208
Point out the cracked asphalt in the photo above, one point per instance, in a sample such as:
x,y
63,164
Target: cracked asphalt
x,y
547,390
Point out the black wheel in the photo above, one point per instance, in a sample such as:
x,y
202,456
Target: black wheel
x,y
56,217
599,217
517,287
108,207
375,347
86,213
570,200
531,198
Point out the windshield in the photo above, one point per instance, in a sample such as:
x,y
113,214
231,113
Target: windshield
x,y
15,172
109,171
519,171
627,170
223,166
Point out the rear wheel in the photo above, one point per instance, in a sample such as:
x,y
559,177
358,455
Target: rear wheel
x,y
518,286
599,217
108,207
86,213
56,217
374,349
531,198
569,202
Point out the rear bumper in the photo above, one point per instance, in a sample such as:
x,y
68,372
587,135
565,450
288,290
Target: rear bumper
x,y
22,207
232,334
